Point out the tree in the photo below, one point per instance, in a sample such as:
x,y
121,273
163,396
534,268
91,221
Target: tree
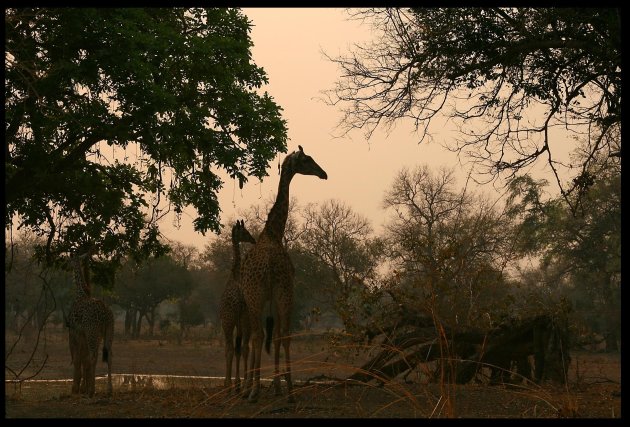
x,y
312,291
141,288
506,76
449,247
33,294
341,240
184,255
582,248
206,290
448,297
114,117
190,314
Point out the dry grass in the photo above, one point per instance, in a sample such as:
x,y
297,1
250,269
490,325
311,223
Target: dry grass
x,y
318,367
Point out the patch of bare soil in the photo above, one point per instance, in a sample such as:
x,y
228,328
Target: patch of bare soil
x,y
594,389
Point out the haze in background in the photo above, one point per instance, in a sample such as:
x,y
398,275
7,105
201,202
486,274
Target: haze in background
x,y
289,44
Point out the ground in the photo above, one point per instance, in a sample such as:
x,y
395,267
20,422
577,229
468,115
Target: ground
x,y
161,378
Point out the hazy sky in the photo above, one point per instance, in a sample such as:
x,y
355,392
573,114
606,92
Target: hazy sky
x,y
288,44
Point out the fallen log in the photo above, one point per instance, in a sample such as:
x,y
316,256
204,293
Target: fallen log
x,y
468,351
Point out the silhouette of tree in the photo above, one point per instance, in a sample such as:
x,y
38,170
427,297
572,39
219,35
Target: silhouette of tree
x,y
507,77
114,117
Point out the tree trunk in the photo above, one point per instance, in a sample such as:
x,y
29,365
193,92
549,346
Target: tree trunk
x,y
151,319
129,318
137,325
612,315
611,342
182,332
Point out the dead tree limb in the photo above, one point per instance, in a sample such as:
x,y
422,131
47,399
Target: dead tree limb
x,y
515,341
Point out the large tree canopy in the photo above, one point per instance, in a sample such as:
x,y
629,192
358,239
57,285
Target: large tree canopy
x,y
114,117
507,77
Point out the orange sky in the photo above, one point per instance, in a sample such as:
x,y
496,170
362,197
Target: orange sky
x,y
288,44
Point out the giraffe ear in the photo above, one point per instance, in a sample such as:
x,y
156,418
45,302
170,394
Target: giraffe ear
x,y
301,149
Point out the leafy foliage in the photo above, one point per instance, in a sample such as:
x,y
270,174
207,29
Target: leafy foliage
x,y
141,288
190,313
113,117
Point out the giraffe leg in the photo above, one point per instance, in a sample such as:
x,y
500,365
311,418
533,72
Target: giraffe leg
x,y
237,354
76,362
84,364
285,335
107,332
76,377
249,369
91,375
110,388
245,352
85,382
277,338
229,354
85,373
92,351
254,374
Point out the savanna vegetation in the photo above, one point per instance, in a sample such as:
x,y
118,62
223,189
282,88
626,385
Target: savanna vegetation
x,y
102,142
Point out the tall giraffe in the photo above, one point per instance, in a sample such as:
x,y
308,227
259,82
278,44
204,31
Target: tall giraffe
x,y
232,310
267,275
89,320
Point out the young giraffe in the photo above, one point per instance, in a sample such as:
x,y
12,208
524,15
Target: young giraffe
x,y
88,321
232,310
267,275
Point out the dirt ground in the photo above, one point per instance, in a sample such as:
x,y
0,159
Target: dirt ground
x,y
160,378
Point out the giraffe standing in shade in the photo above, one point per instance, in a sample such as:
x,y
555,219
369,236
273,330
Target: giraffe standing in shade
x,y
267,276
233,312
89,320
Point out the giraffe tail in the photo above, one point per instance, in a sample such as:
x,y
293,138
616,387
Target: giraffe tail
x,y
237,344
269,331
107,342
66,320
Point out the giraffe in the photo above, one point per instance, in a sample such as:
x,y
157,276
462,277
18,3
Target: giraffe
x,y
232,310
89,320
267,276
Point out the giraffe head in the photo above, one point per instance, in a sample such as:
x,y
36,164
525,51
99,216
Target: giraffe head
x,y
80,254
84,250
240,233
300,162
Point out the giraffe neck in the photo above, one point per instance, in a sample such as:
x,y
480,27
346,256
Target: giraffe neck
x,y
236,260
82,286
277,218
